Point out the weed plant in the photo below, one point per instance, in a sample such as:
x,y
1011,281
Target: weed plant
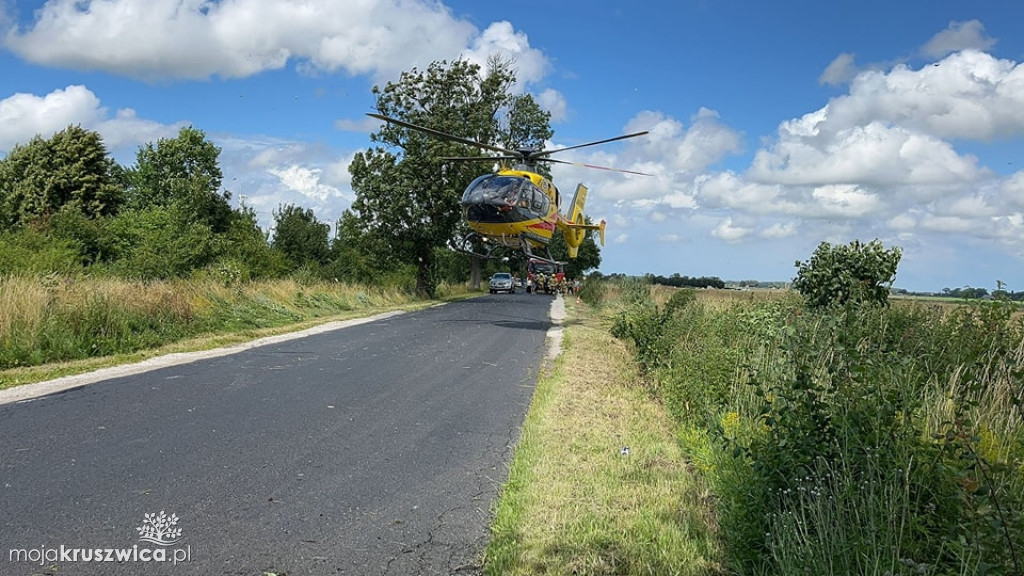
x,y
858,440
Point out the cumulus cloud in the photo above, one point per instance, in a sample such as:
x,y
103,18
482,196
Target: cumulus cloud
x,y
501,38
893,130
24,116
968,94
681,149
1013,187
884,159
197,39
554,102
306,181
730,232
958,36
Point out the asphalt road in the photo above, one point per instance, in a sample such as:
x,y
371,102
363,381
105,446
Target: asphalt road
x,y
374,449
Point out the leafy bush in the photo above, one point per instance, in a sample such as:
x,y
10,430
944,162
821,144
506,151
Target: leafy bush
x,y
854,273
158,242
28,251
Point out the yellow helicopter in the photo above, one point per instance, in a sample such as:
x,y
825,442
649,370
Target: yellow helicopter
x,y
516,207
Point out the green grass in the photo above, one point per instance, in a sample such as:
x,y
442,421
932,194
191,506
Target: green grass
x,y
866,440
54,326
573,503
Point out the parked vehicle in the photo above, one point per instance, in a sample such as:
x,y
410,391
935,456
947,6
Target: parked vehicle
x,y
502,282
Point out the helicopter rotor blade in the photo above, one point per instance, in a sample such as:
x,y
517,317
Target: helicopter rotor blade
x,y
538,155
480,158
443,135
595,167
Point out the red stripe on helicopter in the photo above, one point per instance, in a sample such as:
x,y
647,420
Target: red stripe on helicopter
x,y
543,225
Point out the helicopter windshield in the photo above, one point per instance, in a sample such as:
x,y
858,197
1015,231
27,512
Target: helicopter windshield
x,y
496,189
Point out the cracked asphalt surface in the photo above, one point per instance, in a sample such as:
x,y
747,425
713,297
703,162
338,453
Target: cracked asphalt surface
x,y
373,449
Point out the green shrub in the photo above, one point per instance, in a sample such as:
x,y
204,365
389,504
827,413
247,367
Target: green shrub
x,y
27,251
836,275
861,440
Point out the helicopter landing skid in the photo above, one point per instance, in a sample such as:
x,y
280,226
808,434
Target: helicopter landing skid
x,y
529,253
464,245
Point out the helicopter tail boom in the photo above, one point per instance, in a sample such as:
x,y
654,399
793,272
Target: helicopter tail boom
x,y
574,228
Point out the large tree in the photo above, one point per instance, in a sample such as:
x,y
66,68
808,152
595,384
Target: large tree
x,y
407,195
184,170
71,168
300,236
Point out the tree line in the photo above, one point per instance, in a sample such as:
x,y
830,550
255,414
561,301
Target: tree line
x,y
66,206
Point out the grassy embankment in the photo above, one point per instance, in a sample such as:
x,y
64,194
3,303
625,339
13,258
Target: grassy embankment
x,y
598,483
766,438
863,440
54,326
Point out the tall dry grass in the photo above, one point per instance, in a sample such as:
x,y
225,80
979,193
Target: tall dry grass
x,y
57,318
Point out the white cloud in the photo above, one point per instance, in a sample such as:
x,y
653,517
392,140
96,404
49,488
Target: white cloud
x,y
902,223
24,116
364,125
968,94
873,153
840,71
554,102
1013,188
729,232
727,190
501,38
958,36
948,224
195,39
845,200
779,230
688,150
306,181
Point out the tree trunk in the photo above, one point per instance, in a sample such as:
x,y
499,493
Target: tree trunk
x,y
425,287
474,272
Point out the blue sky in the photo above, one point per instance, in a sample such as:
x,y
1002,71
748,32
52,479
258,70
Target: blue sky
x,y
773,125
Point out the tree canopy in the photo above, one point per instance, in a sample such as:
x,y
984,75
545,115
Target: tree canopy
x,y
183,170
70,168
407,195
300,236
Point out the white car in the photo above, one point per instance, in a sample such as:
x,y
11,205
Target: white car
x,y
502,282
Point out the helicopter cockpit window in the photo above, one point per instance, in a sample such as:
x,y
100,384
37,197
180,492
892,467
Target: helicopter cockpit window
x,y
495,189
540,201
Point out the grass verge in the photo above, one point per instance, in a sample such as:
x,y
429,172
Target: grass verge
x,y
598,484
54,327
